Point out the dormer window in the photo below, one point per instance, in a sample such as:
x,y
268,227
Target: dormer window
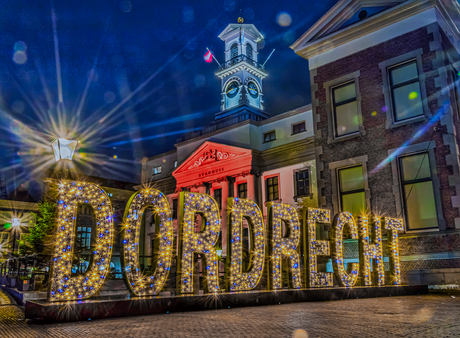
x,y
234,51
157,170
249,51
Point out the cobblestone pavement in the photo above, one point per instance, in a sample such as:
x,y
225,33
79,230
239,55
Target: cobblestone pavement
x,y
433,315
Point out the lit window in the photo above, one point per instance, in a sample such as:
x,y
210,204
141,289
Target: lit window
x,y
405,91
242,190
419,202
271,185
234,51
175,164
270,136
298,127
157,170
218,197
351,187
345,109
302,183
249,51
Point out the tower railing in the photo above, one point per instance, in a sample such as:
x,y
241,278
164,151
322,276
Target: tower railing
x,y
240,58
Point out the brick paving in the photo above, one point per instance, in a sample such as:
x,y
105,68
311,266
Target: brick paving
x,y
432,315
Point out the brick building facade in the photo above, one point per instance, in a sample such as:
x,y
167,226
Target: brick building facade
x,y
385,107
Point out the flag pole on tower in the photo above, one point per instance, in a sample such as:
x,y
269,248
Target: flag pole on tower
x,y
209,56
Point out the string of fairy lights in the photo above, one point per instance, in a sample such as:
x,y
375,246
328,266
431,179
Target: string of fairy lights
x,y
317,248
372,251
237,279
340,220
151,283
284,247
393,225
204,242
63,285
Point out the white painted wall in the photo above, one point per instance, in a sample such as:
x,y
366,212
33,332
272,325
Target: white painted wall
x,y
286,183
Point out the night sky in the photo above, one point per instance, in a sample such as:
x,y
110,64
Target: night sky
x,y
141,63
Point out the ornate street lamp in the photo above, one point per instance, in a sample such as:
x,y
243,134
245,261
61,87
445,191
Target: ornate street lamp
x,y
63,149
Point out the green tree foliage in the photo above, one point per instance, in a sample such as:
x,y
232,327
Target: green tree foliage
x,y
40,238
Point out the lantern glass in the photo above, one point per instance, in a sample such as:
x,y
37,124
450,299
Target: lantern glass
x,y
63,149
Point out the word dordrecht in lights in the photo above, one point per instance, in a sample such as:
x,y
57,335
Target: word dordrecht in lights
x,y
269,246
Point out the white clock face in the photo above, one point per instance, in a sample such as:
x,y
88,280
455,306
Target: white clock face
x,y
253,90
232,89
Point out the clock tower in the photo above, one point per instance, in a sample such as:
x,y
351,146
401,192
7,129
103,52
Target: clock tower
x,y
241,74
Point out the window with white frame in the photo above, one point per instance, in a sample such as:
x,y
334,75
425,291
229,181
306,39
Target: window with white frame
x,y
157,170
417,191
405,90
352,190
345,109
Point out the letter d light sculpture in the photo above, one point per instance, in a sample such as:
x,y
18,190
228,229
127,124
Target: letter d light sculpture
x,y
63,285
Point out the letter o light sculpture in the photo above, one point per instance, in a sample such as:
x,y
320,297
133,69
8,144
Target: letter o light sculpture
x,y
151,283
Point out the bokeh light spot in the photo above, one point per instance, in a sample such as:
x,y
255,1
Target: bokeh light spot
x,y
126,6
20,57
20,46
283,19
413,95
188,14
16,126
109,97
115,156
374,113
384,109
18,107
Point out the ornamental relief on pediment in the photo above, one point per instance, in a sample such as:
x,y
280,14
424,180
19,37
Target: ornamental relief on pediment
x,y
211,155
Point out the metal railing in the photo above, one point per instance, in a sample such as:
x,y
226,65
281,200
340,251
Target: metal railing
x,y
241,58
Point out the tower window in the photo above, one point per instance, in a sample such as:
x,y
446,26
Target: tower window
x,y
234,51
249,51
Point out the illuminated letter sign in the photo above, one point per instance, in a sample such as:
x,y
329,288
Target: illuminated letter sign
x,y
63,285
137,282
368,251
203,242
393,225
317,248
340,220
282,247
239,209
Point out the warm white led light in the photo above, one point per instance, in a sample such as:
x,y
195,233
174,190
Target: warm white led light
x,y
152,282
282,247
237,279
393,225
63,285
203,242
345,279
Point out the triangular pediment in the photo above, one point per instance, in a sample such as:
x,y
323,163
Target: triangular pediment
x,y
345,13
211,154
